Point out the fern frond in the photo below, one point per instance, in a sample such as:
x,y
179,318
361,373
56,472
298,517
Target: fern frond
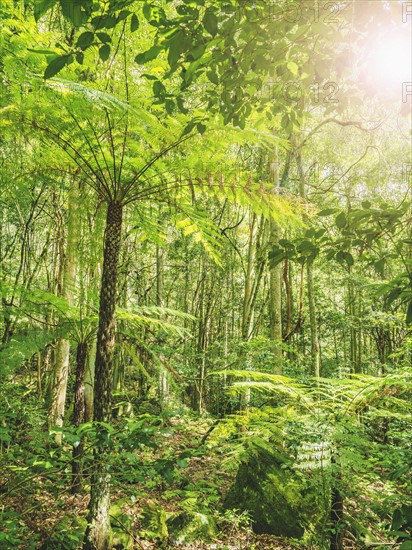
x,y
197,224
148,316
89,95
23,346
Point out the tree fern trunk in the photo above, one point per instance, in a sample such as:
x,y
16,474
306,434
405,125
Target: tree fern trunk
x,y
98,536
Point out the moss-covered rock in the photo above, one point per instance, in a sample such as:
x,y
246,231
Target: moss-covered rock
x,y
121,525
187,527
264,486
154,522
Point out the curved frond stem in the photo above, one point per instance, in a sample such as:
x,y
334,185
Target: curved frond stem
x,y
150,163
126,129
83,133
98,141
152,191
75,155
111,142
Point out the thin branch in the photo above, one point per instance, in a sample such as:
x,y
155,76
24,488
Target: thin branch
x,y
322,191
354,123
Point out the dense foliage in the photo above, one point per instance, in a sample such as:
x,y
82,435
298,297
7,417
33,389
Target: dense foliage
x,y
205,275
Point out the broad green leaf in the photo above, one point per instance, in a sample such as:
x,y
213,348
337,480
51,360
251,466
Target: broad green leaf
x,y
147,11
210,22
341,220
85,40
150,54
55,66
327,212
44,51
103,37
104,22
212,76
42,6
134,23
188,128
158,88
175,48
72,11
123,14
104,52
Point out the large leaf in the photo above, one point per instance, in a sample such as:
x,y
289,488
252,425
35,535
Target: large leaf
x,y
210,22
56,65
42,6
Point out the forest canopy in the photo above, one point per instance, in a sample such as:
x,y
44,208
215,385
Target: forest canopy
x,y
205,274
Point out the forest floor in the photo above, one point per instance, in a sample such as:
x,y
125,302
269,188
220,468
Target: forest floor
x,y
201,483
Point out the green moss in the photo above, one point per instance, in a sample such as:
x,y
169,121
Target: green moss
x,y
265,488
187,527
154,522
121,525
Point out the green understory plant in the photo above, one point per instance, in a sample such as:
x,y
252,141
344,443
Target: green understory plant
x,y
331,430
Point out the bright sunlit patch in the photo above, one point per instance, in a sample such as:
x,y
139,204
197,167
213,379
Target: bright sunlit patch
x,y
389,62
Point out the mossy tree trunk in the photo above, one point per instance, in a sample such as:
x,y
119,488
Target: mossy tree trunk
x,y
98,533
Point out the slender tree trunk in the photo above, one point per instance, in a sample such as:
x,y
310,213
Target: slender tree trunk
x,y
336,511
355,367
56,412
159,276
288,291
247,311
57,407
163,380
78,415
314,334
314,337
89,383
275,300
98,533
39,388
275,281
